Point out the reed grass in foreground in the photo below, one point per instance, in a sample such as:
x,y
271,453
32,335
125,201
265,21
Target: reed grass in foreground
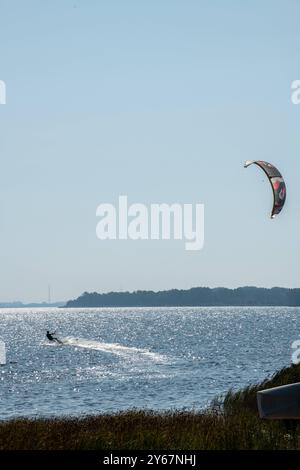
x,y
232,423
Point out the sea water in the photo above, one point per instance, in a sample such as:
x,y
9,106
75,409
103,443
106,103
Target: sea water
x,y
125,358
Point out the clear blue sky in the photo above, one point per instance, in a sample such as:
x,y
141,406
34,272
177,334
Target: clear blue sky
x,y
162,101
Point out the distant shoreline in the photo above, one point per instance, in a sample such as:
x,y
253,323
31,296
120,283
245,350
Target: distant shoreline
x,y
8,307
30,305
195,297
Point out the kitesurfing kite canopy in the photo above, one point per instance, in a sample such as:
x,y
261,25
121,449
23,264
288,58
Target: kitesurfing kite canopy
x,y
277,183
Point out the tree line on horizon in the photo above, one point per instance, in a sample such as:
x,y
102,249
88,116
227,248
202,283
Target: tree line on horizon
x,y
197,296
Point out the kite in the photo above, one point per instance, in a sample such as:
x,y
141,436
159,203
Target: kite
x,y
276,181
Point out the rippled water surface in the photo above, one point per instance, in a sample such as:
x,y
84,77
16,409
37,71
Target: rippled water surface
x,y
159,358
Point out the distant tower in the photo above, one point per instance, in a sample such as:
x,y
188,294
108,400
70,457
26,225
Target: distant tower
x,y
49,294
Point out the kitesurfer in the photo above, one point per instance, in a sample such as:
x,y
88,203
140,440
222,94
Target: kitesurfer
x,y
51,337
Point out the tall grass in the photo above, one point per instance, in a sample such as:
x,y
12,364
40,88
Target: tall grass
x,y
245,399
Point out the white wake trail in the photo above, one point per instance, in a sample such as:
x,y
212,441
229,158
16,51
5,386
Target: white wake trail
x,y
113,348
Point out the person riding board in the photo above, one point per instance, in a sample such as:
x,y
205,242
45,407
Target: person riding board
x,y
51,337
